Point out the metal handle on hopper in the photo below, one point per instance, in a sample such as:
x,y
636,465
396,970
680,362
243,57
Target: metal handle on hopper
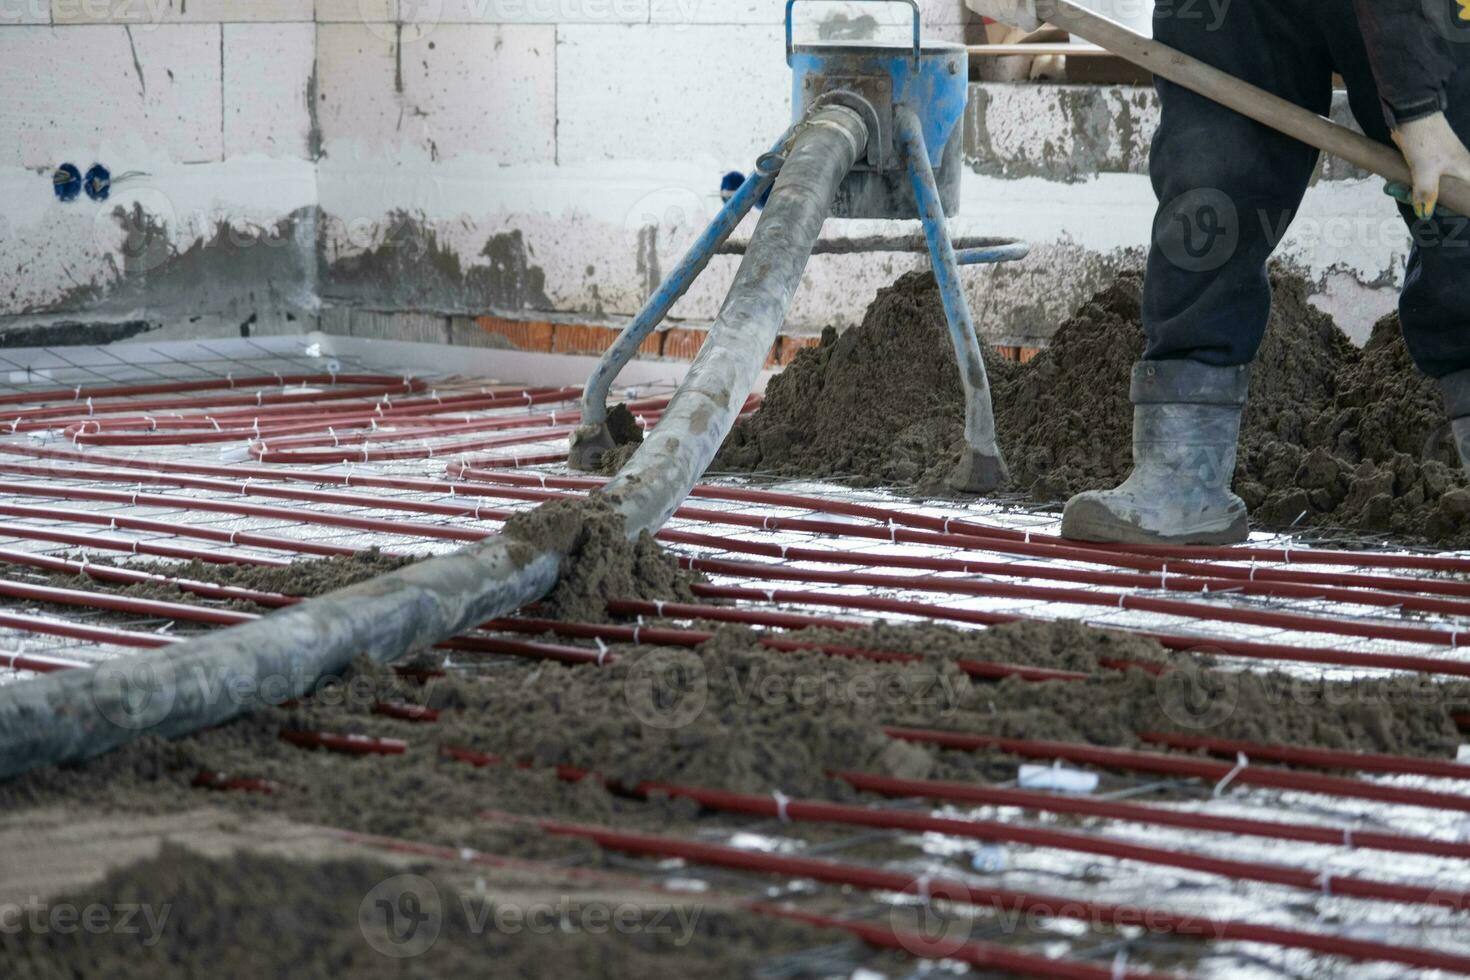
x,y
918,25
75,715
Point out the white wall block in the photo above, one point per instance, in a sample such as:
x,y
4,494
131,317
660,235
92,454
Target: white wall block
x,y
892,20
138,95
437,93
268,70
767,12
155,12
356,11
13,12
719,95
527,11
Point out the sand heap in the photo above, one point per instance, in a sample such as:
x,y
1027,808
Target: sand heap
x,y
1332,437
878,405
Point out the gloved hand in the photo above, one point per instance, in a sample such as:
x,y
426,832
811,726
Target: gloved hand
x,y
1433,151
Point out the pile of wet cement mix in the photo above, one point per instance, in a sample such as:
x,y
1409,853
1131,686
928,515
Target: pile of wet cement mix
x,y
601,563
1332,437
880,404
264,915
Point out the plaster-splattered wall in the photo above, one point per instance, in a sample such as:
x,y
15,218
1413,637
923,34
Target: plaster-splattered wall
x,y
199,110
277,163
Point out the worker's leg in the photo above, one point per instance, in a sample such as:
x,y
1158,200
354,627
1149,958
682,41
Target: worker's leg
x,y
1228,188
1435,305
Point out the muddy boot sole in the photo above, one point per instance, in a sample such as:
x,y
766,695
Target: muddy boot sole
x,y
1089,520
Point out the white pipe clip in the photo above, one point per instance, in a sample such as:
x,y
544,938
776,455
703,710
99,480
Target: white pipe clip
x,y
783,802
921,888
1240,763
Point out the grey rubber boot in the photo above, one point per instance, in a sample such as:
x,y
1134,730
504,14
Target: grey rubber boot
x,y
1186,422
1456,389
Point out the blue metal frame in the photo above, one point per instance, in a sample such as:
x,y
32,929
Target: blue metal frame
x,y
1009,252
924,86
983,468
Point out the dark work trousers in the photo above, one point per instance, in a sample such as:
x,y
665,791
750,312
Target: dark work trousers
x,y
1228,187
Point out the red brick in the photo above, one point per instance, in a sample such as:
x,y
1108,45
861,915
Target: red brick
x,y
528,335
683,344
572,338
653,345
791,346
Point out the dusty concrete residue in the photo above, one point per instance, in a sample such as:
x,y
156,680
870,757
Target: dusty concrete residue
x,y
230,271
1085,130
71,332
1072,133
314,98
842,27
648,264
411,268
513,282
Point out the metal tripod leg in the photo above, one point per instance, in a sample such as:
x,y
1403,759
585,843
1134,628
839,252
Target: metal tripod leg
x,y
981,468
591,438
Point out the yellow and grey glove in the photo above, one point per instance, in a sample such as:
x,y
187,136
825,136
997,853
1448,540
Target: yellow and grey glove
x,y
1433,151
